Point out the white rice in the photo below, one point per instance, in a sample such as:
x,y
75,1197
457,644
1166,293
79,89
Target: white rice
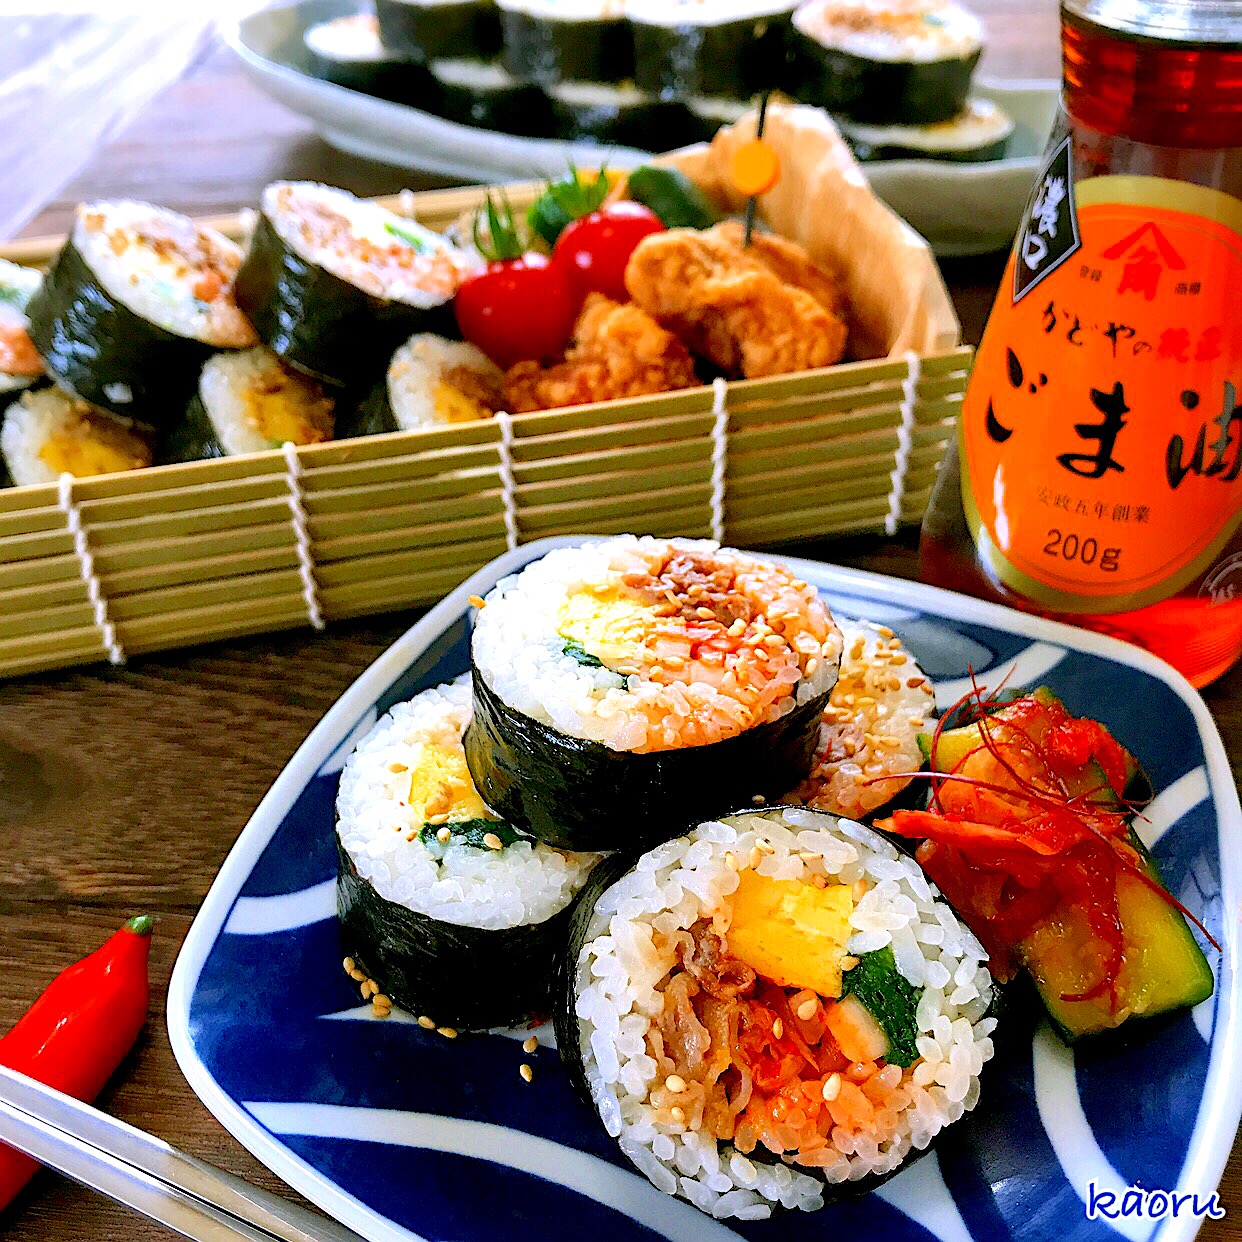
x,y
225,389
881,703
425,362
17,284
153,261
893,31
980,123
354,39
565,10
689,13
366,245
522,658
493,890
44,413
620,968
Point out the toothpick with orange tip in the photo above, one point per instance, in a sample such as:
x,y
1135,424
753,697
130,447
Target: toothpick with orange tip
x,y
755,168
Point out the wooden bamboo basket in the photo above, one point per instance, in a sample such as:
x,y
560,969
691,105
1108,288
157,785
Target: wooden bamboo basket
x,y
175,555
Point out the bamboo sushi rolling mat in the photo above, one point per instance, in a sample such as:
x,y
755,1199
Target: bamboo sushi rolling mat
x,y
122,790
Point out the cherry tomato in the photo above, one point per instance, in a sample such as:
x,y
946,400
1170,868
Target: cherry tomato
x,y
597,247
518,309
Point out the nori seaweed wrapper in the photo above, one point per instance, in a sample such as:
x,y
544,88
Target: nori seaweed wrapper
x,y
869,152
93,345
319,323
193,438
372,416
513,107
464,977
732,60
426,31
879,92
548,50
397,79
646,124
582,795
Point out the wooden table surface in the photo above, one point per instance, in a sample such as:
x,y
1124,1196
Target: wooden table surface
x,y
122,790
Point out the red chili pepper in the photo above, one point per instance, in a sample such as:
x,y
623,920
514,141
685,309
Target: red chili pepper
x,y
77,1033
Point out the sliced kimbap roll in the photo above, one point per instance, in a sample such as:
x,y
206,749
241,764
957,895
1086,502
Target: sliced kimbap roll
x,y
886,62
427,29
431,382
722,48
623,686
347,52
455,916
136,300
550,41
773,1009
620,116
473,92
869,738
20,364
249,401
981,131
334,283
48,433
712,113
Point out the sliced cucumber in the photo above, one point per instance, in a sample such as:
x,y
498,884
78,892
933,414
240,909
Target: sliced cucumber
x,y
891,1000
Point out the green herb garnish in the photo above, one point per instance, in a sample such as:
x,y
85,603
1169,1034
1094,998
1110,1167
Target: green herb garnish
x,y
420,243
470,832
934,19
11,295
564,201
502,241
890,999
576,651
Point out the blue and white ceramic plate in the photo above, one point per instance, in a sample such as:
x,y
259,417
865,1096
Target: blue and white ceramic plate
x,y
402,1134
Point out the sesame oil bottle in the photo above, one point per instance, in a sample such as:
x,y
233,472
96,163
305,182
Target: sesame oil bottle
x,y
1097,472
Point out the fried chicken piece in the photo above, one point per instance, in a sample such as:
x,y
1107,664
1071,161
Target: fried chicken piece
x,y
766,309
617,351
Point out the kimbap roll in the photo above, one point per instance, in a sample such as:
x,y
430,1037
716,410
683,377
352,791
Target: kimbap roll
x,y
20,364
427,29
775,1008
886,62
135,302
334,283
455,916
550,41
473,92
48,433
981,131
869,738
431,382
620,685
249,401
620,116
718,48
347,52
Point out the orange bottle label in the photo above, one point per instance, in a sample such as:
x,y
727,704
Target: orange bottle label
x,y
1101,436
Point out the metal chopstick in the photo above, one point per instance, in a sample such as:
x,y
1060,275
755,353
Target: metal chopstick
x,y
145,1173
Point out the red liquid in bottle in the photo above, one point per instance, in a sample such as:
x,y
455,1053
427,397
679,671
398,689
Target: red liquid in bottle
x,y
1152,109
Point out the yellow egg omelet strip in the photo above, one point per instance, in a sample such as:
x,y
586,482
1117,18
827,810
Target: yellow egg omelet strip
x,y
791,932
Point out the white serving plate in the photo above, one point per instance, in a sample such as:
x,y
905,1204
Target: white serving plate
x,y
960,208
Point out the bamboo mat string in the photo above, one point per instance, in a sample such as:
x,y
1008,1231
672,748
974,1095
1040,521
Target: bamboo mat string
x,y
306,563
504,420
86,563
720,450
905,442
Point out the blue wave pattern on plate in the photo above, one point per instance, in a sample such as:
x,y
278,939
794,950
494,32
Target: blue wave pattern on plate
x,y
259,1023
